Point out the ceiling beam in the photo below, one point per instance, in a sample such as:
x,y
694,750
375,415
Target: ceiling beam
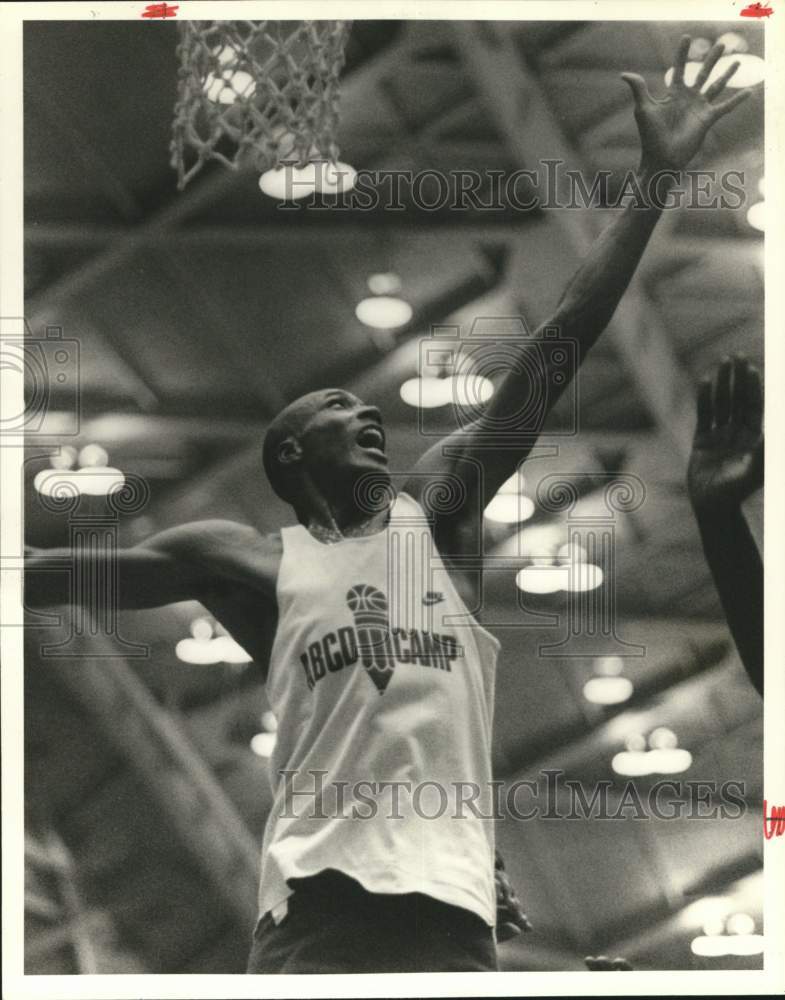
x,y
290,233
44,305
185,789
678,251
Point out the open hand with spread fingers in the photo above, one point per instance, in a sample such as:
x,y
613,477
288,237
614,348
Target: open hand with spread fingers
x,y
726,463
672,128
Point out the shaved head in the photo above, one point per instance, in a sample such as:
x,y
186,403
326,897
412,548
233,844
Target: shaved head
x,y
320,445
289,423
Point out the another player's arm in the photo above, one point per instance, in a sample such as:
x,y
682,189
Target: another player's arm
x,y
174,565
726,466
671,131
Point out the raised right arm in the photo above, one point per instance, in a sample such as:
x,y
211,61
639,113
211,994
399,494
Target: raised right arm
x,y
173,565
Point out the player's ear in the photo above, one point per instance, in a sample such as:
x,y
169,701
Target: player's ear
x,y
289,451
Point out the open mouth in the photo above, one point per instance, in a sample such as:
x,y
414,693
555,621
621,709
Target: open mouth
x,y
371,437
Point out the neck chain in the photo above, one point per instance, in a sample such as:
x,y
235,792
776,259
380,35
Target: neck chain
x,y
330,534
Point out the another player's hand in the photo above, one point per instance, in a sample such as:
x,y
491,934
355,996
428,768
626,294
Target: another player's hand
x,y
672,128
510,918
726,463
604,964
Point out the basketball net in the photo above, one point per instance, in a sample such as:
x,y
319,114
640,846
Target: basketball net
x,y
257,94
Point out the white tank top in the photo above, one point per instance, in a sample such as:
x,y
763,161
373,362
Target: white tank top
x,y
378,673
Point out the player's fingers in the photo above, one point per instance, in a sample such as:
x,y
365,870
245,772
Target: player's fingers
x,y
503,885
756,472
717,87
621,965
723,107
507,931
753,415
681,59
722,393
640,91
708,65
738,401
705,407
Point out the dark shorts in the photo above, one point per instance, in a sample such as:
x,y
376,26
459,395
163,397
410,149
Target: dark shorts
x,y
334,925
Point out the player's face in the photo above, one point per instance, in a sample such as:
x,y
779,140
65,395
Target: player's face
x,y
343,433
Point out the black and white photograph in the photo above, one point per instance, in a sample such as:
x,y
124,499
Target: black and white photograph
x,y
383,499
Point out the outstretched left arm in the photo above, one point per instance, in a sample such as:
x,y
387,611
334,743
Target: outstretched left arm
x,y
672,130
726,466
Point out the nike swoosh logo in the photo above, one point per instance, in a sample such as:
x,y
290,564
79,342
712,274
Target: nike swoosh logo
x,y
432,597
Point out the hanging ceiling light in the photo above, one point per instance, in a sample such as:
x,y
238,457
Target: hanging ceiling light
x,y
228,651
607,690
662,738
740,923
542,579
263,744
429,391
631,763
515,484
387,283
208,644
202,629
665,757
196,651
756,216
714,925
383,312
93,456
64,458
230,82
289,182
723,945
635,742
707,911
673,760
509,508
608,666
583,576
94,477
751,71
572,552
732,42
699,48
269,721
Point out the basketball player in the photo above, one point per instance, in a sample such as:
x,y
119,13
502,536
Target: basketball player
x,y
726,466
380,678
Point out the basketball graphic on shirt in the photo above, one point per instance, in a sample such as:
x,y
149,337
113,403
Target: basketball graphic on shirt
x,y
369,607
367,602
